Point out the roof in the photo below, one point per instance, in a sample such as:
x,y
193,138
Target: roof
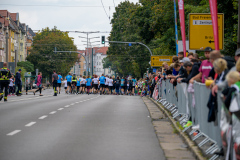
x,y
30,31
102,50
4,13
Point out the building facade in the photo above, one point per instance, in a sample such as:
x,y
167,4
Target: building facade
x,y
15,38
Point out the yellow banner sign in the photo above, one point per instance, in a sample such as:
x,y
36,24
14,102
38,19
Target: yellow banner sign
x,y
157,61
201,31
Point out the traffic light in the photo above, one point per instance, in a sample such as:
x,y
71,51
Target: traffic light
x,y
103,39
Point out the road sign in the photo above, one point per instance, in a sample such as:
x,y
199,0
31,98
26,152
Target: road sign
x,y
157,61
201,31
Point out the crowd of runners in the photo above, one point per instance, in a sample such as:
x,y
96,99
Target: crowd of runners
x,y
107,85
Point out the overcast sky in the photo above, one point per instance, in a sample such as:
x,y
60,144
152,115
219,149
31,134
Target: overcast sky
x,y
81,15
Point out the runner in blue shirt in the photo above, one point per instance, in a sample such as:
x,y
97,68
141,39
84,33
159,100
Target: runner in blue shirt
x,y
59,82
69,82
122,85
102,83
134,84
89,84
78,84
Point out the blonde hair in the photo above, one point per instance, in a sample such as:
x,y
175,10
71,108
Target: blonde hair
x,y
238,65
164,63
220,64
233,76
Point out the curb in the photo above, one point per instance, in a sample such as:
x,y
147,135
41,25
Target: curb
x,y
196,151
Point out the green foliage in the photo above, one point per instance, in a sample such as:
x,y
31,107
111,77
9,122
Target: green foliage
x,y
27,65
43,56
152,23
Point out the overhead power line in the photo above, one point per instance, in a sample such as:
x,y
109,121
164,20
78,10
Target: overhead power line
x,y
105,11
45,5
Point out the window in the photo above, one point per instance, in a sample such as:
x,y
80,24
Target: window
x,y
99,63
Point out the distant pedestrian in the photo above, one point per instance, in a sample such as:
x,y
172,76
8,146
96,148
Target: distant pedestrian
x,y
39,84
54,81
18,82
11,86
27,86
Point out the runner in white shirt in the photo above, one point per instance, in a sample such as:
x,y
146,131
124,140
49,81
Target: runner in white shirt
x,y
110,84
83,84
106,84
95,84
65,85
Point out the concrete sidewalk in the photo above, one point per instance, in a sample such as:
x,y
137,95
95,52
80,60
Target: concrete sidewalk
x,y
171,143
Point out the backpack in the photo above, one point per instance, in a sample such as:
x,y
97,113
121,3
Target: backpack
x,y
36,80
235,103
230,61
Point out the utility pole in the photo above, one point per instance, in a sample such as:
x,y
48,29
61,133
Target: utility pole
x,y
87,65
92,61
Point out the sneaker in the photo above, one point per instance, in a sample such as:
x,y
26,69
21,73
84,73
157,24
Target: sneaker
x,y
13,94
189,123
5,100
196,127
195,133
9,95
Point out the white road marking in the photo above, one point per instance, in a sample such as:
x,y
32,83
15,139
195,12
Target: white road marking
x,y
13,133
72,104
67,106
43,117
60,109
53,112
76,102
30,124
80,101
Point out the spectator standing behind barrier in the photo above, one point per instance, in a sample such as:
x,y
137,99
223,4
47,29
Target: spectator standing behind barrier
x,y
233,78
175,60
205,67
187,71
214,55
190,56
180,55
223,85
220,67
54,81
18,82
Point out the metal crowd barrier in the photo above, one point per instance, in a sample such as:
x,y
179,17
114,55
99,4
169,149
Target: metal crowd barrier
x,y
179,101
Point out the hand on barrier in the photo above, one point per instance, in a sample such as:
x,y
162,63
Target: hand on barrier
x,y
179,80
191,81
214,90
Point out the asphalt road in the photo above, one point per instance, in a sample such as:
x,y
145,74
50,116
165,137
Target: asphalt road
x,y
77,127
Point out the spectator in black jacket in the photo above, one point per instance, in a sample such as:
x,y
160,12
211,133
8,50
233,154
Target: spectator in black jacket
x,y
187,71
18,82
